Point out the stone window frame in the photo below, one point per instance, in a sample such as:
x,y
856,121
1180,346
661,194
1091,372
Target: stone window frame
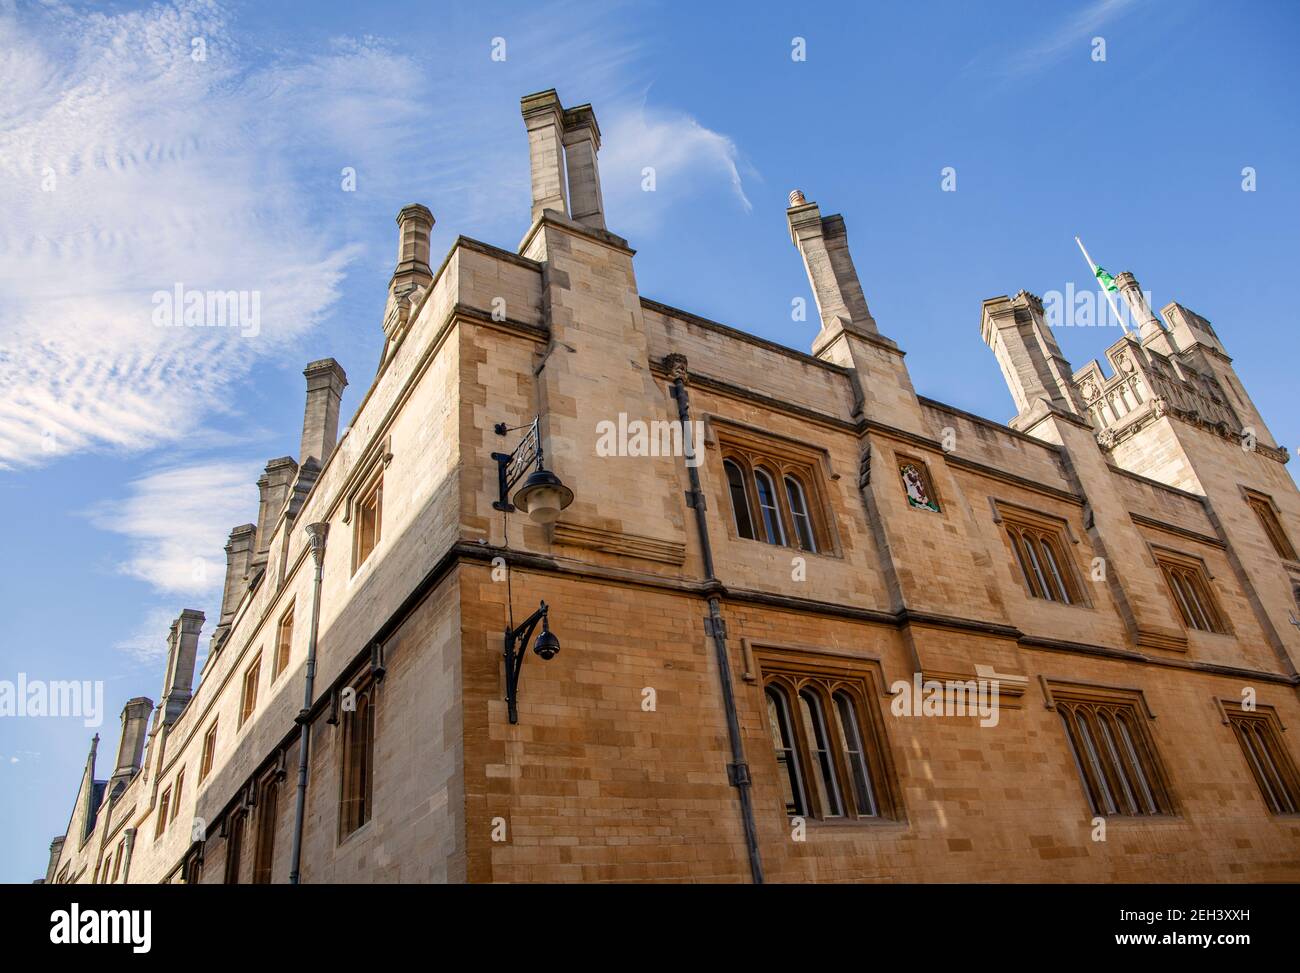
x,y
1258,733
209,752
1020,524
368,473
356,797
1108,735
1192,571
927,480
283,647
264,844
372,493
235,846
247,694
790,670
778,459
1270,521
164,805
177,791
117,861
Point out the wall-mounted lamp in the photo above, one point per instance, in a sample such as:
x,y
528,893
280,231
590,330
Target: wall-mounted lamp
x,y
516,647
543,495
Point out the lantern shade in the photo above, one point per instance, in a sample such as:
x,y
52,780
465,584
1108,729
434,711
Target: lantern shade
x,y
543,496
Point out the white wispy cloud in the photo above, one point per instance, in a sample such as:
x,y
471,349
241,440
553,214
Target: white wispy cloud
x,y
176,520
127,166
685,157
147,642
1015,60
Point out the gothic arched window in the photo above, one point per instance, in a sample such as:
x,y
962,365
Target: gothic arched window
x,y
739,499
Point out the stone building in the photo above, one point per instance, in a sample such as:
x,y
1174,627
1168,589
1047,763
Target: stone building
x,y
854,635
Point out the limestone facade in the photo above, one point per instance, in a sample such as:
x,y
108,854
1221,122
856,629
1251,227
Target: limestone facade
x,y
646,750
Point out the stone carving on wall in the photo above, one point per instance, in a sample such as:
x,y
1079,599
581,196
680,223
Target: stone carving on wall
x,y
917,487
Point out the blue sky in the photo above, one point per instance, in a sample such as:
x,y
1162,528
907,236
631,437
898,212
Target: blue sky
x,y
127,452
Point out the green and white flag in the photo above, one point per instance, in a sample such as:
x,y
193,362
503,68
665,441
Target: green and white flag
x,y
1107,282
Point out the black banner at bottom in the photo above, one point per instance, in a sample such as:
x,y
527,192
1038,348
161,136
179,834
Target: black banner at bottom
x,y
338,922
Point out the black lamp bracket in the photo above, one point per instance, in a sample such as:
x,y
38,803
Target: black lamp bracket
x,y
513,466
516,647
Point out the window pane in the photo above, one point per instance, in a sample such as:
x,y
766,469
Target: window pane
x,y
1049,559
799,514
825,778
787,760
1247,741
1093,760
1202,620
1183,608
266,813
1135,752
1121,771
767,506
234,849
739,500
846,718
1039,577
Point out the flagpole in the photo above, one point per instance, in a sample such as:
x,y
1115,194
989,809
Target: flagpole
x,y
1109,299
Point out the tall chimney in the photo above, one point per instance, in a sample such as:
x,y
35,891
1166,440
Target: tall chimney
x,y
823,242
544,119
56,851
581,143
183,649
130,749
320,420
239,552
414,224
273,490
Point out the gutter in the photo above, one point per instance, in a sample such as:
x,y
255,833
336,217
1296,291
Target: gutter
x,y
317,534
716,626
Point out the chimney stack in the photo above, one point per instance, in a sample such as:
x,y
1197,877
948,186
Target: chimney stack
x,y
182,651
130,749
273,492
320,421
823,242
581,144
1031,361
56,851
544,119
239,553
414,224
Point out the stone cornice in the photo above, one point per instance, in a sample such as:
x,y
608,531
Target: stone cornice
x,y
743,336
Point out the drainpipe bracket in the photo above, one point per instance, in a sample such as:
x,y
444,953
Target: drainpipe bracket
x,y
738,775
717,627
